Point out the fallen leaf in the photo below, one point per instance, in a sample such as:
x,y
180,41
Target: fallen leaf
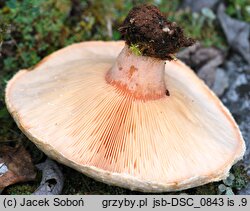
x,y
204,61
52,179
237,33
15,166
197,6
208,71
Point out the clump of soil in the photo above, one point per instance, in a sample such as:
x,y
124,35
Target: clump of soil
x,y
155,36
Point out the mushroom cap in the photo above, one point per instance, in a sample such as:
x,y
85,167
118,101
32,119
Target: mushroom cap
x,y
66,107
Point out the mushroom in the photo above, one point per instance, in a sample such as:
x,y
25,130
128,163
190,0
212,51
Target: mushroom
x,y
127,113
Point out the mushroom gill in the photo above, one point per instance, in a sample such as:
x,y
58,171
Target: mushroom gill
x,y
67,108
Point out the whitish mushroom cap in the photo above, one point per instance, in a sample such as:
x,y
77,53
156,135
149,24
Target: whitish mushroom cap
x,y
66,107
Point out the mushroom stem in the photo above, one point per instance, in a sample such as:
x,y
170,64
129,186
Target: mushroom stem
x,y
141,77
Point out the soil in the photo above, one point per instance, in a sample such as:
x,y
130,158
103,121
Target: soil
x,y
155,36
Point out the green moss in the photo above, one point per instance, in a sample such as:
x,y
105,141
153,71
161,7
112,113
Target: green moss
x,y
21,189
239,9
241,179
135,49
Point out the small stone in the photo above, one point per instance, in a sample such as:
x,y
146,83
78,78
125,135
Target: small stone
x,y
231,176
3,169
221,82
208,71
232,95
166,29
248,172
228,181
237,33
229,191
222,188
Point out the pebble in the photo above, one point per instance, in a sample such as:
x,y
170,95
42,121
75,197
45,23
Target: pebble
x,y
220,82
